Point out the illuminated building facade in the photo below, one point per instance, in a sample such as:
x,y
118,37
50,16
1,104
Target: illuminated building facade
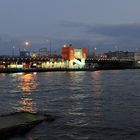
x,y
74,58
70,58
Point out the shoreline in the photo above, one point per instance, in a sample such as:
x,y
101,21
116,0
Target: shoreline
x,y
15,70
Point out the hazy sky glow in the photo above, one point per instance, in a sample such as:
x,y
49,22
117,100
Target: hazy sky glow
x,y
43,16
72,20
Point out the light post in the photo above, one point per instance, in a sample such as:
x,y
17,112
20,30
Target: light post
x,y
95,52
88,50
26,45
13,50
117,48
136,49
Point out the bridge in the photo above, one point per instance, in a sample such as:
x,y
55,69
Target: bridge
x,y
28,62
110,63
27,59
90,62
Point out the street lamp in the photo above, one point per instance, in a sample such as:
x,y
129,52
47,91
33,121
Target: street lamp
x,y
26,45
118,51
95,52
13,50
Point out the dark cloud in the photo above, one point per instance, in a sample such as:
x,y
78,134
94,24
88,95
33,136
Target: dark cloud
x,y
70,24
106,36
126,36
118,30
103,37
126,31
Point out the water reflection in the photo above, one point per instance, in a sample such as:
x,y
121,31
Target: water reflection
x,y
76,99
76,75
97,83
97,94
27,83
26,104
96,74
2,74
76,80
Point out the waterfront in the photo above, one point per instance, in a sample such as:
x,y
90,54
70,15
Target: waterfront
x,y
88,105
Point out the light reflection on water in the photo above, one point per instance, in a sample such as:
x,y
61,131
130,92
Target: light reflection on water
x,y
2,74
91,105
26,104
27,83
97,96
97,83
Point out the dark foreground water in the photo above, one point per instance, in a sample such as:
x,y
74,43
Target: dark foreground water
x,y
99,105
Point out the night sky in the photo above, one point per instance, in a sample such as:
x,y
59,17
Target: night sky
x,y
103,24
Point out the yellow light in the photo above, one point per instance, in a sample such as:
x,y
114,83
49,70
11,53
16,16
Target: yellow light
x,y
27,82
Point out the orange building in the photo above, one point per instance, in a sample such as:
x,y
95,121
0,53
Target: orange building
x,y
75,57
84,53
68,53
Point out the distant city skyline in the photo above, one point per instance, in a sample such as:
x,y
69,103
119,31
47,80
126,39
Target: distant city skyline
x,y
90,23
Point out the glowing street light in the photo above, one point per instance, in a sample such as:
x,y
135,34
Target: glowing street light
x,y
13,50
26,43
95,52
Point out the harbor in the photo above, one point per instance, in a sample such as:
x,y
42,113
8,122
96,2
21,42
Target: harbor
x,y
69,70
100,103
70,59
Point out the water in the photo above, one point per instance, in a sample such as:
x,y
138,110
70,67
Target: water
x,y
88,105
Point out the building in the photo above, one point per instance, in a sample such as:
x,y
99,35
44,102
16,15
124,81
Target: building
x,y
24,54
74,58
120,55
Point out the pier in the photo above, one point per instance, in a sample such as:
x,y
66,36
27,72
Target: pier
x,y
44,64
71,59
110,63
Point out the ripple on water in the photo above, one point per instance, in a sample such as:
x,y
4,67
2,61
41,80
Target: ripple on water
x,y
91,105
